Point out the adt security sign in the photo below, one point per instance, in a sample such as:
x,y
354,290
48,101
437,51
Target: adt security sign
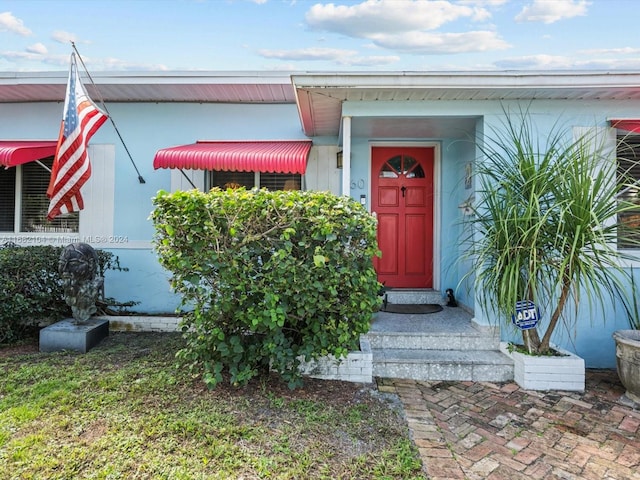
x,y
527,315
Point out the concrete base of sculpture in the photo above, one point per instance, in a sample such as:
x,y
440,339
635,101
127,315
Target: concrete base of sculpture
x,y
66,335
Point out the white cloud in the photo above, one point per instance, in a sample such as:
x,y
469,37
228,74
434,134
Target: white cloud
x,y
560,62
38,49
61,36
338,56
369,61
116,64
9,23
388,16
542,62
550,11
408,26
484,3
307,54
612,51
441,43
480,7
38,53
57,60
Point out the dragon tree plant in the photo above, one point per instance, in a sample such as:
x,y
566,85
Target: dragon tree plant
x,y
545,225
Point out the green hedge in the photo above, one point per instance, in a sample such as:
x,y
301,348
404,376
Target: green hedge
x,y
268,277
30,288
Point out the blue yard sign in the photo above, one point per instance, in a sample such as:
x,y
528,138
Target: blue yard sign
x,y
527,315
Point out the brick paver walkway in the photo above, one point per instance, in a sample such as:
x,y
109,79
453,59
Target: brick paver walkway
x,y
467,430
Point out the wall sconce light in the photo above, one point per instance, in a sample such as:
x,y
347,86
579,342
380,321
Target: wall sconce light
x,y
339,159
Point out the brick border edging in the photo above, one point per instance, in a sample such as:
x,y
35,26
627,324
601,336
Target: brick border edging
x,y
142,323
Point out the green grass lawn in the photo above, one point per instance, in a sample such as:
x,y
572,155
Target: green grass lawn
x,y
124,411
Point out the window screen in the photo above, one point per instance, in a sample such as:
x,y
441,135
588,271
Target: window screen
x,y
7,199
628,153
35,203
279,181
270,181
231,179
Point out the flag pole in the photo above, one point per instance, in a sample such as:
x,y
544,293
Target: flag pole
x,y
104,106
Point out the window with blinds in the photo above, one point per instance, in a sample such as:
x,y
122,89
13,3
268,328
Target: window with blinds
x,y
7,199
31,180
280,181
226,180
270,181
628,154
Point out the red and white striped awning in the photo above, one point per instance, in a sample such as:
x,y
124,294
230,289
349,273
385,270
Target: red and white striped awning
x,y
238,156
17,152
626,124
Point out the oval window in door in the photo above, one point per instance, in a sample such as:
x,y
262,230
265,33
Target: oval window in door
x,y
401,165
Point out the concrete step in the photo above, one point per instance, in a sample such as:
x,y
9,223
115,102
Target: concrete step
x,y
451,329
442,365
443,346
473,340
422,296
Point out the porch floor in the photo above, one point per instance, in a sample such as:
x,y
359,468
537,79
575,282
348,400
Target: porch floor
x,y
453,320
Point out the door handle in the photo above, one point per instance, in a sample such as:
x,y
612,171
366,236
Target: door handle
x,y
403,189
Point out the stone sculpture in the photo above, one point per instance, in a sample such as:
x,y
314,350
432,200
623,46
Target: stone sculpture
x,y
78,266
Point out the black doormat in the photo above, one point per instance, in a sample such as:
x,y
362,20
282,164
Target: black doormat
x,y
410,308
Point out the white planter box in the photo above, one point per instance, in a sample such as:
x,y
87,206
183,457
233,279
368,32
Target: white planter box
x,y
547,373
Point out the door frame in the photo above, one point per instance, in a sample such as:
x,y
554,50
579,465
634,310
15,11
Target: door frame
x,y
436,195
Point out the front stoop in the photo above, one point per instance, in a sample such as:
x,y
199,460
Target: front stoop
x,y
443,346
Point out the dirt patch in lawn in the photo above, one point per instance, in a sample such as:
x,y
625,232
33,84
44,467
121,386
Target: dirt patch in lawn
x,y
22,349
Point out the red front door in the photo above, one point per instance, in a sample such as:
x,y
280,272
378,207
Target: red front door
x,y
402,199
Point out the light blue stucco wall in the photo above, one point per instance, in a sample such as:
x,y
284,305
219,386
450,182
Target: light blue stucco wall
x,y
590,334
456,155
146,128
361,169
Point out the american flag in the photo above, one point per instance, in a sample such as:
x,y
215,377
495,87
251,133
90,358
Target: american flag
x,y
71,167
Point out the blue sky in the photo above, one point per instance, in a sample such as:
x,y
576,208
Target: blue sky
x,y
300,35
